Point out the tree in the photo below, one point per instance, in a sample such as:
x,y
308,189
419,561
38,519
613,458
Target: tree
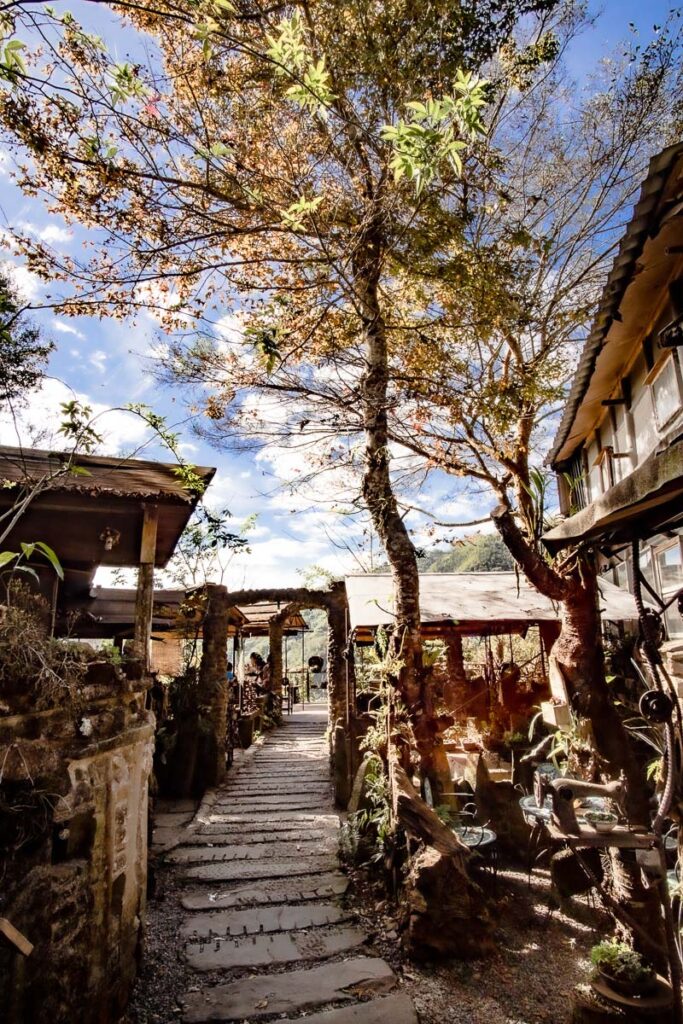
x,y
287,168
23,353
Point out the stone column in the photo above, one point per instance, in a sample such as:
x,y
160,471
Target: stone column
x,y
338,679
213,680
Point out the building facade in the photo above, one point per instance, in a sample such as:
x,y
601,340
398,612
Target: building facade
x,y
618,453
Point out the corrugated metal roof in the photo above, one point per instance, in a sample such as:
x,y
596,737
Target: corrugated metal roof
x,y
471,596
134,478
623,269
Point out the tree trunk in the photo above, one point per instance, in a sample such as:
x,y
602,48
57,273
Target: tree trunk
x,y
578,654
406,643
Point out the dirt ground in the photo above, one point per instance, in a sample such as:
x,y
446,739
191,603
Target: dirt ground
x,y
542,952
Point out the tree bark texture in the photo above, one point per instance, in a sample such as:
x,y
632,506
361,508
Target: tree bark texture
x,y
387,520
578,654
447,914
213,680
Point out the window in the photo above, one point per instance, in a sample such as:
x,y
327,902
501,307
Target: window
x,y
621,575
644,425
622,459
670,566
647,567
594,472
666,390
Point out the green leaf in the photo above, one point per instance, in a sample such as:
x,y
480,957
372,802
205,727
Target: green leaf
x,y
51,557
27,549
7,556
29,571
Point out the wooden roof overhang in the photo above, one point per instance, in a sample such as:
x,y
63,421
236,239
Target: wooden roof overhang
x,y
364,636
258,618
109,612
104,497
649,259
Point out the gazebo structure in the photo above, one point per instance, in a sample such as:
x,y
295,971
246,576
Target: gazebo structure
x,y
95,511
476,604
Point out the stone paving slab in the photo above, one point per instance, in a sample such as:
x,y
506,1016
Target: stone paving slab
x,y
261,805
269,892
213,852
263,817
284,788
220,835
238,870
222,923
272,950
395,1009
287,993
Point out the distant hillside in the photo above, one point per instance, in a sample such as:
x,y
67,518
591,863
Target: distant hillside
x,y
483,552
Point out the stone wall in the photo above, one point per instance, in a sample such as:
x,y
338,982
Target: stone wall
x,y
73,850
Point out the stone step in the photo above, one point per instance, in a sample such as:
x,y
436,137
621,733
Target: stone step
x,y
289,993
269,892
239,870
300,819
218,835
235,923
271,803
394,1009
213,853
284,789
295,817
272,950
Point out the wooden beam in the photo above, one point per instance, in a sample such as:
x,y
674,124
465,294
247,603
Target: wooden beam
x,y
144,598
14,936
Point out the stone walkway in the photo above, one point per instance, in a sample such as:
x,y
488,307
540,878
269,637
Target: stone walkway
x,y
263,900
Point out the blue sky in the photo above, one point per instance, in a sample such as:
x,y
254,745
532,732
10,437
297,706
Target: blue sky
x,y
109,363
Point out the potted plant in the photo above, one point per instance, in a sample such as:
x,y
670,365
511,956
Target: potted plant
x,y
601,821
623,968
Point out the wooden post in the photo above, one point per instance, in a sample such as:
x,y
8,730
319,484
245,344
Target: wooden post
x,y
144,598
275,631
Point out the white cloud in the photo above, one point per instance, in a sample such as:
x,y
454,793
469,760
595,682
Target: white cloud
x,y
64,328
27,283
37,424
98,360
231,327
54,233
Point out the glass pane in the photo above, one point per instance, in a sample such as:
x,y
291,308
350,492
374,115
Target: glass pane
x,y
622,445
666,392
644,425
647,567
674,622
621,575
670,568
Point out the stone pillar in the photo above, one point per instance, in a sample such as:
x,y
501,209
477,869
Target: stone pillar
x,y
275,631
340,690
213,681
339,681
